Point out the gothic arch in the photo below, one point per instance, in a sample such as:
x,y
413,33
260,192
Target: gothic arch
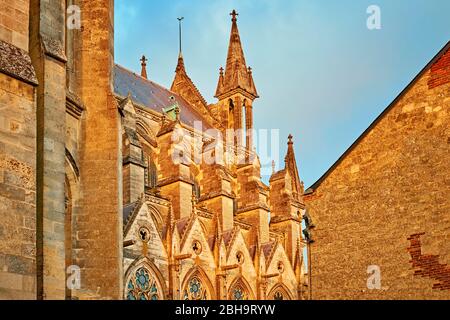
x,y
230,115
280,292
142,128
143,281
205,231
146,136
197,286
240,290
71,194
157,217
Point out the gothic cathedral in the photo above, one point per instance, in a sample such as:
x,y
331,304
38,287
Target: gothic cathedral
x,y
198,230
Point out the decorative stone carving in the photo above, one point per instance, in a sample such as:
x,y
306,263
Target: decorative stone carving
x,y
53,48
16,63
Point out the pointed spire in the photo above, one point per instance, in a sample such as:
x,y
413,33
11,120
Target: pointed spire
x,y
291,166
251,82
219,89
184,86
144,67
180,64
236,72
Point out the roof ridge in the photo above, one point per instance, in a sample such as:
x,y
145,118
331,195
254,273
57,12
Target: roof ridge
x,y
145,79
197,90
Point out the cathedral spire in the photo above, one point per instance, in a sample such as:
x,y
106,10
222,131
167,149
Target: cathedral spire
x,y
291,166
144,67
180,64
236,76
183,85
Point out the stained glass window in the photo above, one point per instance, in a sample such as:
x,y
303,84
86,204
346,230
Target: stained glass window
x,y
142,286
195,290
239,293
278,296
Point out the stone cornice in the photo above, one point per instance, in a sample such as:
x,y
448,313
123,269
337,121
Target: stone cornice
x,y
157,200
132,160
253,207
242,225
16,63
231,93
53,48
204,214
279,219
173,179
216,194
74,105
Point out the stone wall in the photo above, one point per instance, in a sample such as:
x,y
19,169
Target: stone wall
x,y
47,30
17,189
99,239
387,203
14,17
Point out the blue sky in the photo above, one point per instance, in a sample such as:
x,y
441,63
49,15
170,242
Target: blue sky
x,y
321,74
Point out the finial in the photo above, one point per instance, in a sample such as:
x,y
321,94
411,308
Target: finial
x,y
221,71
273,166
234,14
249,69
144,67
290,139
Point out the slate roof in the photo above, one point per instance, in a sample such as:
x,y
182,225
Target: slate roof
x,y
153,96
127,211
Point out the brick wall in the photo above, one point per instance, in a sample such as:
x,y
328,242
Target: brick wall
x,y
440,72
393,185
427,265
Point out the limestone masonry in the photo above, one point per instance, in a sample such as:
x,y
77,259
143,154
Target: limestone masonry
x,y
99,174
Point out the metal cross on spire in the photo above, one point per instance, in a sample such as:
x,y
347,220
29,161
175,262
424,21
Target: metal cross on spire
x,y
179,27
144,61
144,67
234,14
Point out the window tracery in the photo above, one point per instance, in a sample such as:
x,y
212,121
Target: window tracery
x,y
195,290
239,293
142,286
279,293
